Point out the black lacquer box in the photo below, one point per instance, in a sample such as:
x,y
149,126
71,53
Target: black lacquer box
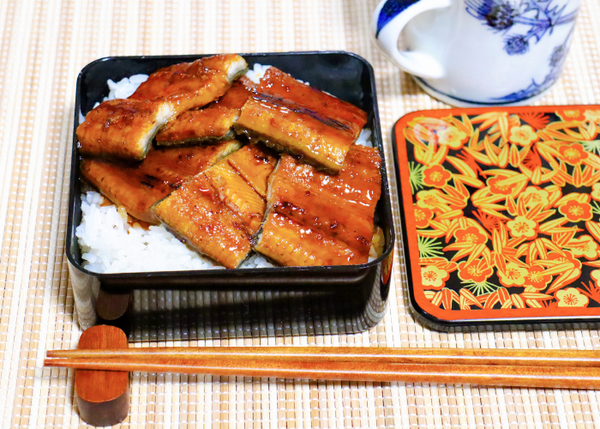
x,y
255,302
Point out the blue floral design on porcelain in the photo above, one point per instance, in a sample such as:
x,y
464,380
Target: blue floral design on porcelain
x,y
556,62
390,10
539,16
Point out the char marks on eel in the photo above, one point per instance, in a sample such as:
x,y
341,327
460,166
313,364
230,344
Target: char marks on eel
x,y
315,207
217,212
314,218
122,128
213,122
191,85
137,186
293,117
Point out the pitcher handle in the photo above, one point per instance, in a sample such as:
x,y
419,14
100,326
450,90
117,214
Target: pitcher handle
x,y
389,18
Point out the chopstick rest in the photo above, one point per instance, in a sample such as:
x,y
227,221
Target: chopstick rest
x,y
102,396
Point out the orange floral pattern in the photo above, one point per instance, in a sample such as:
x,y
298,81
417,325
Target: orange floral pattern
x,y
570,114
576,211
522,227
592,116
573,153
470,235
477,271
436,176
507,208
537,278
500,185
422,216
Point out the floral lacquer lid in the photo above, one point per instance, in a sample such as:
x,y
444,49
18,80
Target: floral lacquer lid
x,y
501,209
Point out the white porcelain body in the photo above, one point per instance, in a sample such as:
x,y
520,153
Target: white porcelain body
x,y
478,52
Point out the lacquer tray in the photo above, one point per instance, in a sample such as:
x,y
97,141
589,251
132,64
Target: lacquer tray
x,y
501,214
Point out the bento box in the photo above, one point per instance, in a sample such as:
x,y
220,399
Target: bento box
x,y
501,215
245,301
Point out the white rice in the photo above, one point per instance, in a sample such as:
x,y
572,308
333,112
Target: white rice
x,y
121,89
256,74
364,138
110,245
258,71
125,87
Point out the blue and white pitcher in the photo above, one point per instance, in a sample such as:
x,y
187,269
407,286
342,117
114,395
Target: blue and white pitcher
x,y
478,52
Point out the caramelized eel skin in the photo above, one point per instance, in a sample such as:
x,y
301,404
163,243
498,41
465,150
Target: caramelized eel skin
x,y
296,118
137,186
122,129
237,95
214,122
240,179
191,85
281,85
218,211
199,126
196,215
319,219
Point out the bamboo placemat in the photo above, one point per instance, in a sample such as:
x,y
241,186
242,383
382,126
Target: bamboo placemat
x,y
43,45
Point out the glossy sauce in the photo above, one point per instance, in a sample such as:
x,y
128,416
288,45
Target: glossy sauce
x,y
218,211
279,84
237,95
297,133
195,213
291,116
212,122
120,128
198,126
190,85
292,244
137,186
255,164
310,208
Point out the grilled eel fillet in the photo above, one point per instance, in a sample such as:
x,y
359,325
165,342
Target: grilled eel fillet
x,y
137,186
122,129
314,218
293,117
217,212
214,122
190,85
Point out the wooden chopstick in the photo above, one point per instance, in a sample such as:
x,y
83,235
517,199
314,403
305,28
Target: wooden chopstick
x,y
358,364
513,357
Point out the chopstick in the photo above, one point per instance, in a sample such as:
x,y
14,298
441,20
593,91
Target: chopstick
x,y
573,358
518,368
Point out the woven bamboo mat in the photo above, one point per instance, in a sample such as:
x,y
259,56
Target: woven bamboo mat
x,y
43,45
